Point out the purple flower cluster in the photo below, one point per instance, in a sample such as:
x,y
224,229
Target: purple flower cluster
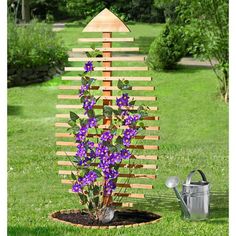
x,y
123,100
107,136
128,135
88,152
88,104
88,179
109,187
88,66
83,89
132,119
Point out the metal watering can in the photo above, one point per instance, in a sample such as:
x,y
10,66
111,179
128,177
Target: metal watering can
x,y
195,196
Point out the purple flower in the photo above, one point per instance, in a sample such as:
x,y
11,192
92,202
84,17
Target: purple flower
x,y
88,66
90,144
81,150
123,100
110,174
106,136
109,187
83,89
89,178
77,188
126,141
136,117
125,113
129,120
80,137
125,154
115,158
130,133
101,150
92,122
88,104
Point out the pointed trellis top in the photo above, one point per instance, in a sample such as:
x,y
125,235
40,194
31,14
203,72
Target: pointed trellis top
x,y
106,21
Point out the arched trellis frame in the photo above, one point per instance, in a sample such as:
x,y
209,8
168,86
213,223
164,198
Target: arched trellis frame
x,y
143,166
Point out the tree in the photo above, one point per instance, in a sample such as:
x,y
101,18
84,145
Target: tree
x,y
207,22
25,10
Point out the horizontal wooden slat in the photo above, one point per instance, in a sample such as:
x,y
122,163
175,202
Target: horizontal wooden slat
x,y
137,58
106,39
141,79
129,195
110,88
133,166
129,49
141,157
84,116
119,185
137,98
137,68
142,137
145,176
123,204
65,106
145,147
65,125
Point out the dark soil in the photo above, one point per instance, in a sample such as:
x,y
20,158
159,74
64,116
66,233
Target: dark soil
x,y
125,217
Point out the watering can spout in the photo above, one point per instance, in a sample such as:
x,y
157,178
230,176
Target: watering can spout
x,y
172,182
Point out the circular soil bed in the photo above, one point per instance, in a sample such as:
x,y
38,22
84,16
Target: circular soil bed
x,y
122,218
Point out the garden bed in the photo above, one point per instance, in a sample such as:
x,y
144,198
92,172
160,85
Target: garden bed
x,y
122,218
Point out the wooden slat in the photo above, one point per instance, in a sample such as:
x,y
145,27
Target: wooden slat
x,y
65,106
141,157
142,137
106,39
145,176
134,166
144,147
84,116
137,68
137,98
129,195
124,49
137,58
115,88
123,204
119,185
65,125
133,78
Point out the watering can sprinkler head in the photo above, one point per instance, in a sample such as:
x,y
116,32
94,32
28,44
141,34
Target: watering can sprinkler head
x,y
172,182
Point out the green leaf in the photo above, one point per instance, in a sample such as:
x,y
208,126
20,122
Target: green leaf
x,y
97,172
107,111
91,113
73,116
120,84
99,117
119,140
132,103
83,198
71,123
73,176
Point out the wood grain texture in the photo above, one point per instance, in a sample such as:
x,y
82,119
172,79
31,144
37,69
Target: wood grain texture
x,y
107,68
136,58
114,78
124,49
106,39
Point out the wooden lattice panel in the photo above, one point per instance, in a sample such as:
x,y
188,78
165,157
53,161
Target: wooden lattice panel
x,y
142,165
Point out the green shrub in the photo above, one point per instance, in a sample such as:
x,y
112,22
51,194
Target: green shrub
x,y
34,45
168,48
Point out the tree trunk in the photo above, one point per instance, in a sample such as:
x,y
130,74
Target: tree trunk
x,y
25,11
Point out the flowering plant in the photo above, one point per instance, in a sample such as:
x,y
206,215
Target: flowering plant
x,y
101,159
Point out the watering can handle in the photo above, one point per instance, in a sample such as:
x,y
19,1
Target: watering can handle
x,y
188,180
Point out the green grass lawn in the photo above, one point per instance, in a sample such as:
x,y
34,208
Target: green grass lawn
x,y
194,134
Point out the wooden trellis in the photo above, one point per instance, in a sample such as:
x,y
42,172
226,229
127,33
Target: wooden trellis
x,y
106,23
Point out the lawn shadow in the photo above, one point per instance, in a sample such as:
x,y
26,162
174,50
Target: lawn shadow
x,y
219,208
158,203
14,110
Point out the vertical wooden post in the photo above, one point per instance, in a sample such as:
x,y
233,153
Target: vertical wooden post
x,y
107,200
